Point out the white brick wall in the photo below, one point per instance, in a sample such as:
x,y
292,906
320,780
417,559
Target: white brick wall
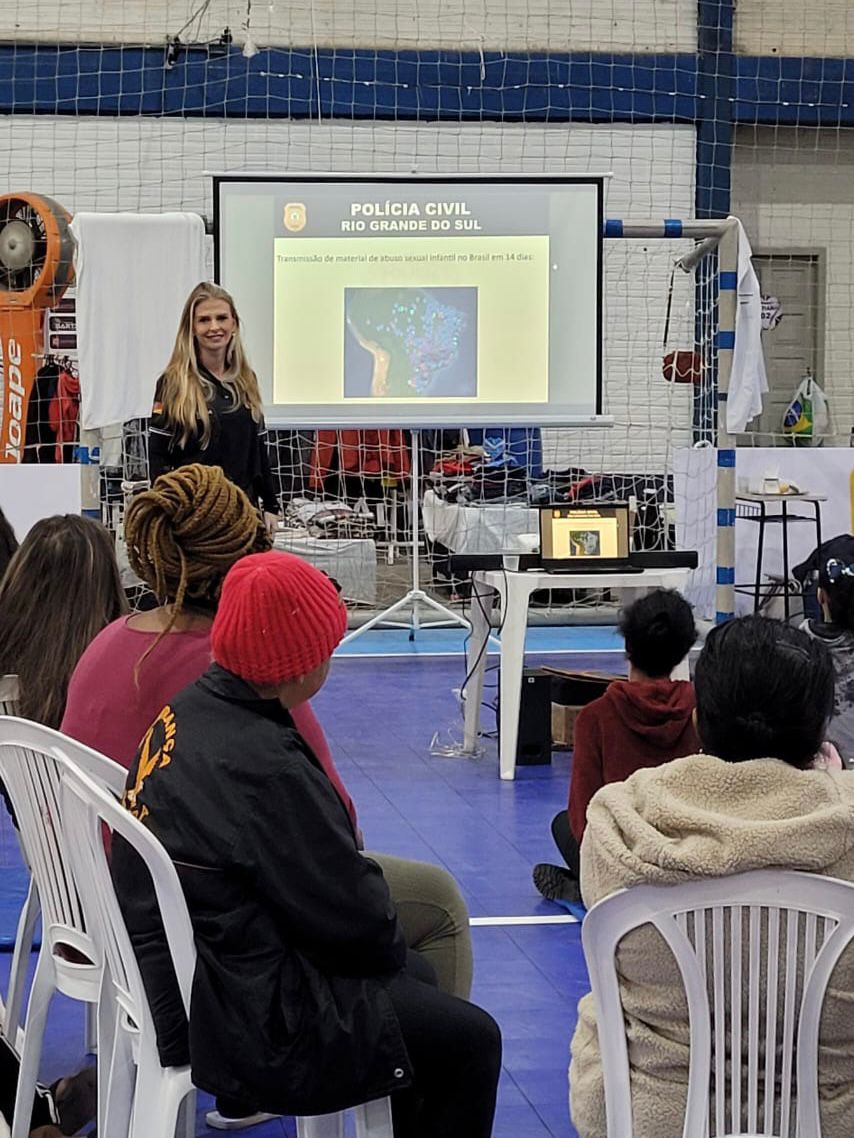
x,y
508,25
148,164
795,190
792,27
781,27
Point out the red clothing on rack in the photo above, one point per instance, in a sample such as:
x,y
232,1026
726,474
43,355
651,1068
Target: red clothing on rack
x,y
371,453
63,410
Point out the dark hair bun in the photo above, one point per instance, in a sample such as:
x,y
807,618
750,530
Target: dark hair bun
x,y
658,630
764,690
757,726
661,626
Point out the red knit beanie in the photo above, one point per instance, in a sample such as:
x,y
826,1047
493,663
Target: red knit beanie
x,y
278,618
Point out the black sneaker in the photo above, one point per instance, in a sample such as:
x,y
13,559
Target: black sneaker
x,y
76,1100
556,883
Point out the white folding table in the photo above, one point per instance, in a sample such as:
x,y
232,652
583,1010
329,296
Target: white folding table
x,y
513,589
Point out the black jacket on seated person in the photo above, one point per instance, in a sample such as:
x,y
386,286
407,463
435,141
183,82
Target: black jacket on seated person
x,y
297,936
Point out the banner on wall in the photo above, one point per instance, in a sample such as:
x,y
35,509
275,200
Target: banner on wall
x,y
772,313
694,474
60,328
20,347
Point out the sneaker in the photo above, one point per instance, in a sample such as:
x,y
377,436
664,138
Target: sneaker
x,y
556,883
217,1121
76,1100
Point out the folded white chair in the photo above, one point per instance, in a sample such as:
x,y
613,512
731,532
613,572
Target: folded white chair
x,y
69,960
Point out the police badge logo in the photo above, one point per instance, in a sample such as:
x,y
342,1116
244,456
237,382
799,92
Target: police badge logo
x,y
294,217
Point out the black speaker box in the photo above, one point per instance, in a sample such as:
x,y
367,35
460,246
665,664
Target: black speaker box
x,y
534,746
665,558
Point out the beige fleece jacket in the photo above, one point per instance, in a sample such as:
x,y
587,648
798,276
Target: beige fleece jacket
x,y
701,817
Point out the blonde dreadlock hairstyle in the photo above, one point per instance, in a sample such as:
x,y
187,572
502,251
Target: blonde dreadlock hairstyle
x,y
185,533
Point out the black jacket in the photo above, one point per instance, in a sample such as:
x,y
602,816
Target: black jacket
x,y
237,444
296,933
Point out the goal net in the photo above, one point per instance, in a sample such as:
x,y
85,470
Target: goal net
x,y
127,107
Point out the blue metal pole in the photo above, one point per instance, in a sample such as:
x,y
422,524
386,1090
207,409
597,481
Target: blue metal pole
x,y
715,70
715,89
725,540
723,234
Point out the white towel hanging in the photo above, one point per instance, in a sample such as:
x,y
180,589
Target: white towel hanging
x,y
134,272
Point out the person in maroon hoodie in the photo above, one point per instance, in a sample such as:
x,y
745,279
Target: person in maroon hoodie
x,y
642,722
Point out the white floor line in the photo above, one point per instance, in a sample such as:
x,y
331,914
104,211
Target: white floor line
x,y
563,919
386,652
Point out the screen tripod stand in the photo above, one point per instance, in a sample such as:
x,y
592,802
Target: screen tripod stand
x,y
415,600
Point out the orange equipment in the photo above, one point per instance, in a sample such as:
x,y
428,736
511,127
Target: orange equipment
x,y
36,267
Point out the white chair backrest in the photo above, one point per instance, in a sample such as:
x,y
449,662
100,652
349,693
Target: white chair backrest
x,y
9,696
85,806
9,705
29,769
755,952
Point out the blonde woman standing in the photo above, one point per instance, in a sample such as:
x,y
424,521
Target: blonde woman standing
x,y
207,406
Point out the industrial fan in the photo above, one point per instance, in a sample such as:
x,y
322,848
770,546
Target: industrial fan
x,y
36,267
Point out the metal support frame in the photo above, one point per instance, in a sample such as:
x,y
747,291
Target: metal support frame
x,y
415,597
723,235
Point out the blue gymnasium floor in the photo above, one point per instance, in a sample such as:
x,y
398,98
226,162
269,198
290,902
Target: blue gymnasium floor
x,y
380,709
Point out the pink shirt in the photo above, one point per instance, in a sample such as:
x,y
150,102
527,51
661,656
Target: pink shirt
x,y
110,712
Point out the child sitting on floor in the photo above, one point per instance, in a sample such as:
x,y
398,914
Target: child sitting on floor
x,y
641,722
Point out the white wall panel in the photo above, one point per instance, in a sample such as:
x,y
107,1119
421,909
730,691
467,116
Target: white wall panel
x,y
504,25
792,27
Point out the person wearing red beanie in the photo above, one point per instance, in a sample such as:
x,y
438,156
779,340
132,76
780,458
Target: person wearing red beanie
x,y
305,999
278,621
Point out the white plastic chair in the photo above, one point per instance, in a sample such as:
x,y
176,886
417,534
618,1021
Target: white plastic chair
x,y
141,1098
373,1120
10,1011
9,695
770,937
69,961
158,1091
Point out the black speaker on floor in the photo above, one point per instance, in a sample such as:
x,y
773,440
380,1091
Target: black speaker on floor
x,y
534,747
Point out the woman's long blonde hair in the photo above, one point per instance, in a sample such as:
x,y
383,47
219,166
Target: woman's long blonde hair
x,y
184,390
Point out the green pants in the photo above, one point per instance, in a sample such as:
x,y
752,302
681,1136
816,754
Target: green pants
x,y
433,916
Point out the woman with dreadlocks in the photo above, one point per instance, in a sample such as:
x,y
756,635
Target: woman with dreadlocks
x,y
183,536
